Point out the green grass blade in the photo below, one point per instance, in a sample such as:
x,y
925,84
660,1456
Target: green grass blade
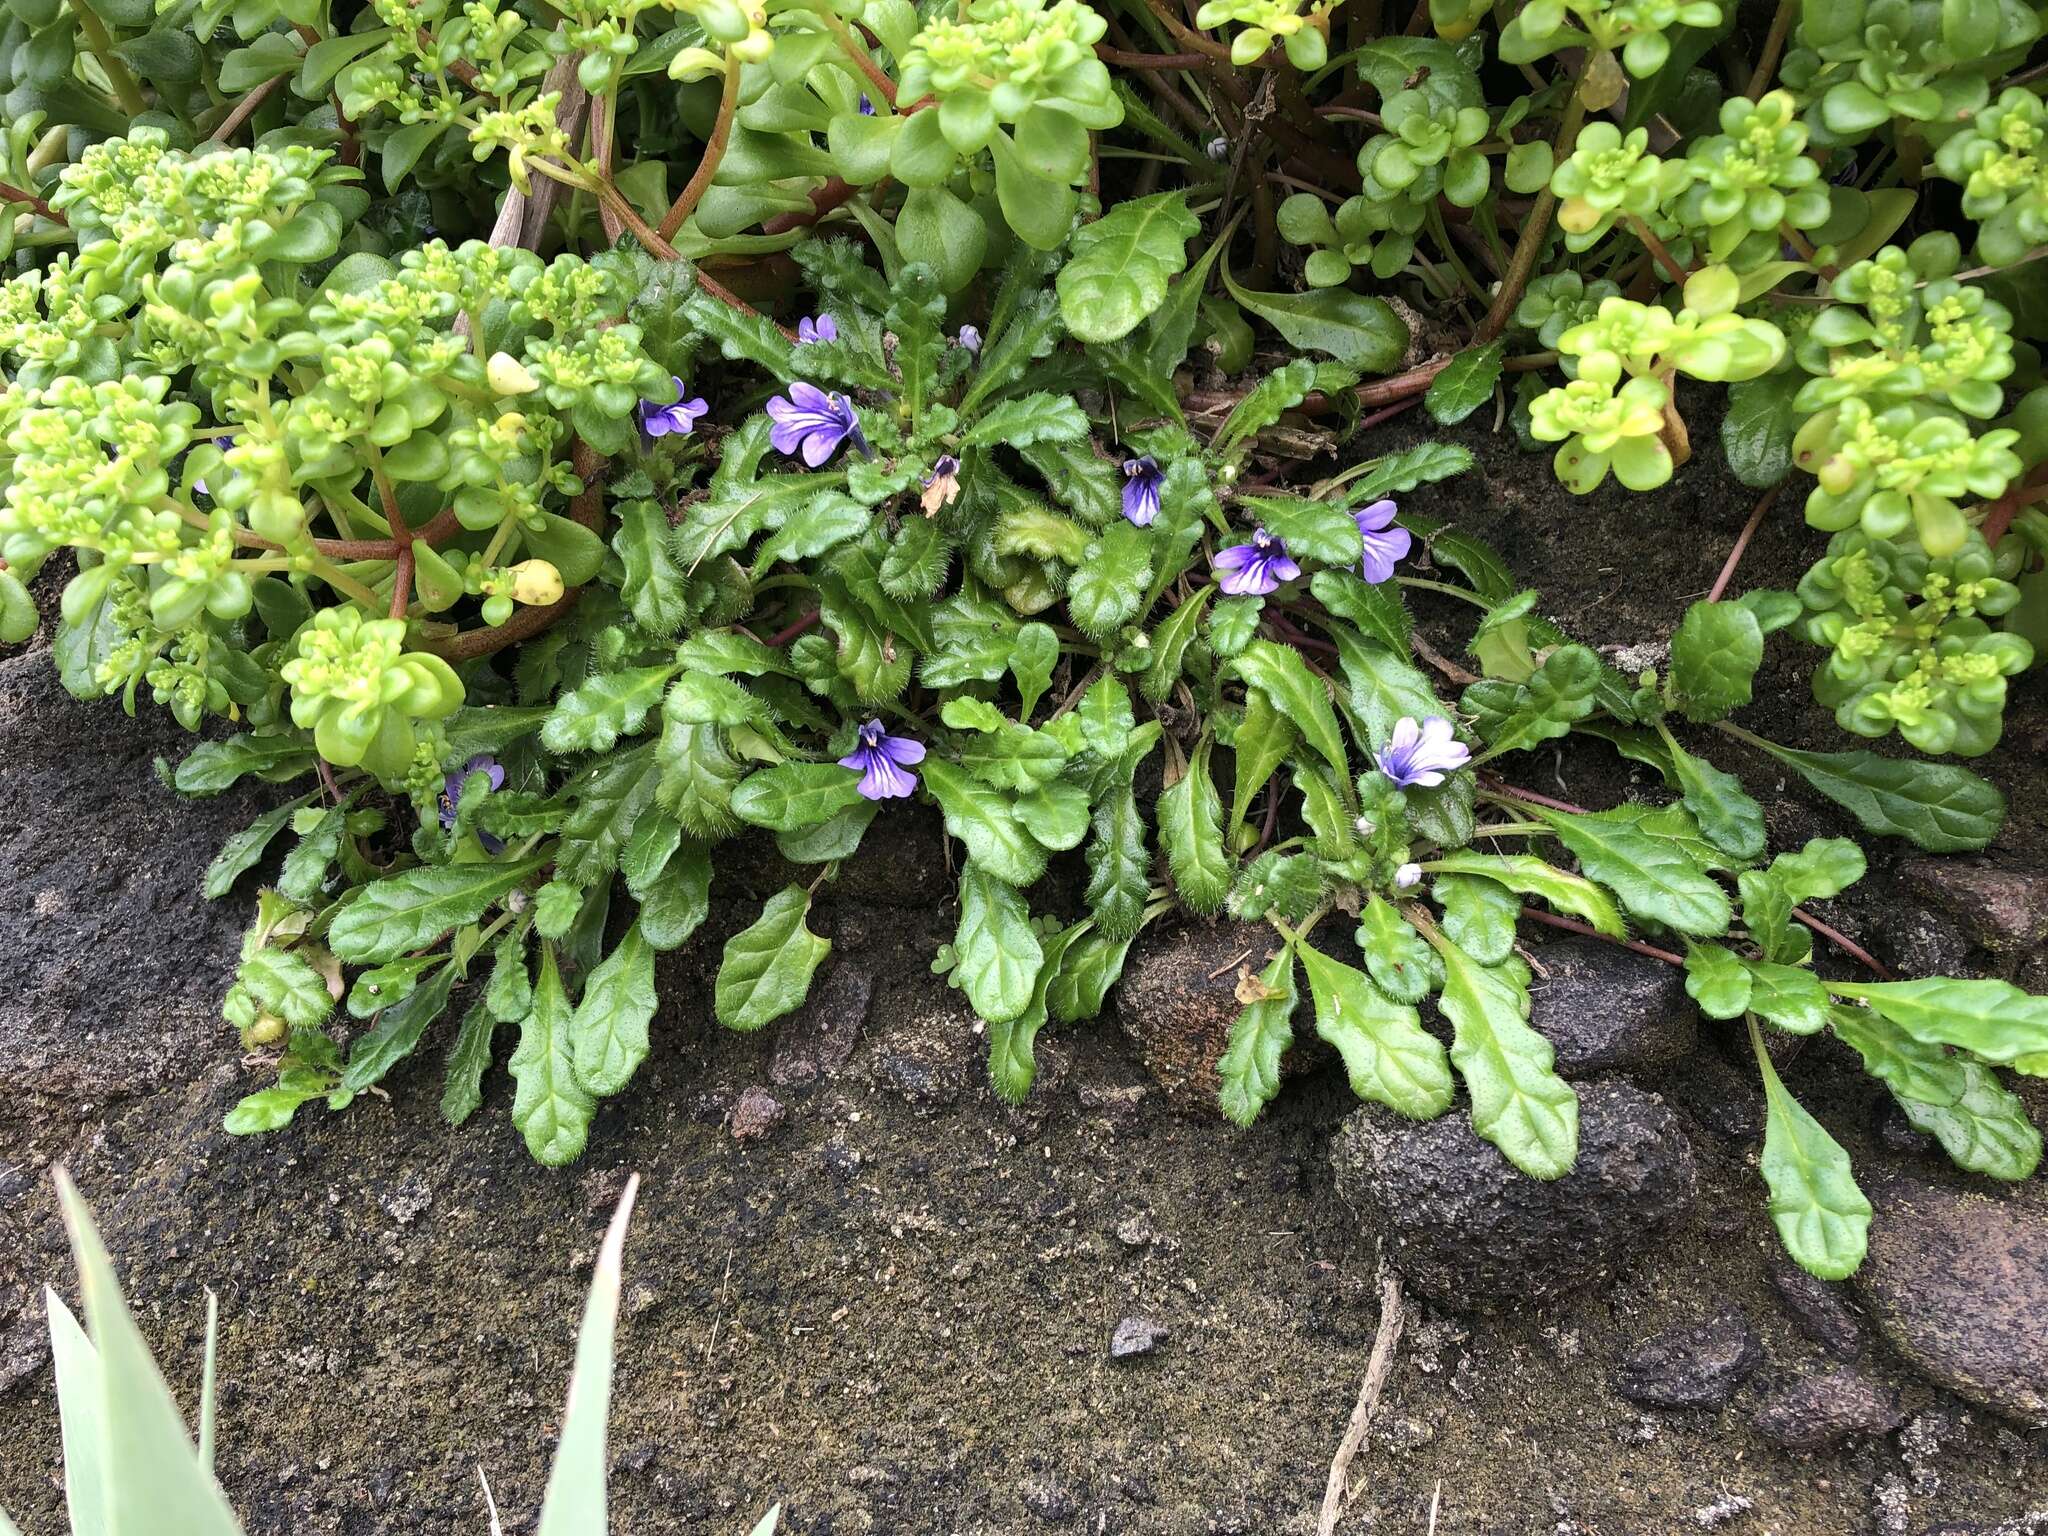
x,y
575,1504
81,1410
154,1481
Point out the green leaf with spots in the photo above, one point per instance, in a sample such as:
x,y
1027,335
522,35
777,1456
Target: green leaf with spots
x,y
1259,1037
400,913
549,1105
1519,1103
999,956
1821,1216
1531,876
767,967
986,823
1191,831
608,1033
1390,1058
1120,265
1656,877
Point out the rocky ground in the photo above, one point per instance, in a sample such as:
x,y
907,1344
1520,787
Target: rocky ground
x,y
860,1285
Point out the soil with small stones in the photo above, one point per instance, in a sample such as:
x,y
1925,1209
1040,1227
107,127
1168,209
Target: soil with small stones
x,y
894,1312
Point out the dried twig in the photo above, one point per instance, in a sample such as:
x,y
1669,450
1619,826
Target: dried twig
x,y
1337,1492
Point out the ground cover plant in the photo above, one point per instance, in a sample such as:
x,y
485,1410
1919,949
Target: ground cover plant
x,y
398,395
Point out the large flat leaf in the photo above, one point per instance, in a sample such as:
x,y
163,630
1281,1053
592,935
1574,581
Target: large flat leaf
x,y
1936,806
608,1033
1121,264
1821,1216
1657,878
389,917
999,955
1279,672
1191,831
1390,1058
1519,1103
1531,876
550,1105
1991,1019
767,967
1360,332
985,820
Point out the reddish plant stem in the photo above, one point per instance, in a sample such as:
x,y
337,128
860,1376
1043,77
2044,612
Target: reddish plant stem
x,y
1774,47
714,152
835,193
782,637
1659,251
243,109
10,193
587,509
1843,942
1387,413
434,533
1530,795
351,145
1551,919
1742,539
1999,519
1149,61
401,583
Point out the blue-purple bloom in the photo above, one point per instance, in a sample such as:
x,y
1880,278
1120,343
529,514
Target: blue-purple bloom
x,y
223,443
823,328
969,339
1142,479
680,418
451,796
884,762
867,108
1254,569
815,422
1421,754
1384,543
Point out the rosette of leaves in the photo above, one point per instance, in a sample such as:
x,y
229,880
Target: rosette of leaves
x,y
1617,411
1303,32
1910,647
2000,156
1374,232
1901,471
1558,301
1751,178
1903,329
1636,30
1611,175
1428,149
1016,78
1861,64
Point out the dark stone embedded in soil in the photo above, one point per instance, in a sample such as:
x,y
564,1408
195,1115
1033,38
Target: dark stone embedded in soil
x,y
756,1115
1178,998
1696,1365
819,1038
1465,1225
1605,1009
2001,906
1135,1336
1957,1283
927,1054
1817,1308
98,853
1815,1412
1051,1501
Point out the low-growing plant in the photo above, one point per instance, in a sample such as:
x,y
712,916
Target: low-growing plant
x,y
130,1465
515,559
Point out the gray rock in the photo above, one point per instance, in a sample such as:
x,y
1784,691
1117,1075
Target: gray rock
x,y
1957,1283
1464,1225
1815,1412
1695,1365
1135,1336
1178,998
2000,906
1605,1009
1817,1308
817,1041
1050,1501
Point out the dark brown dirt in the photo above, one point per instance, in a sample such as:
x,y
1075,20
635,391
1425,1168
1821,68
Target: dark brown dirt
x,y
894,1315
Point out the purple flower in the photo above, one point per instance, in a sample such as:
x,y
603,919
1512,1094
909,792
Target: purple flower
x,y
1254,569
867,108
1421,754
824,328
883,763
451,796
941,486
969,339
815,421
223,443
680,418
1384,543
1142,479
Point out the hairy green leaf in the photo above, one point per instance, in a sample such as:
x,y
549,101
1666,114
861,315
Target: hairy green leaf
x,y
767,967
549,1105
1121,264
1390,1058
608,1033
1821,1216
1518,1102
1259,1037
388,917
999,955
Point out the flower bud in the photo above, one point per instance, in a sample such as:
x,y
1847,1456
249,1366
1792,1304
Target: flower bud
x,y
1407,877
267,1030
536,582
508,376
